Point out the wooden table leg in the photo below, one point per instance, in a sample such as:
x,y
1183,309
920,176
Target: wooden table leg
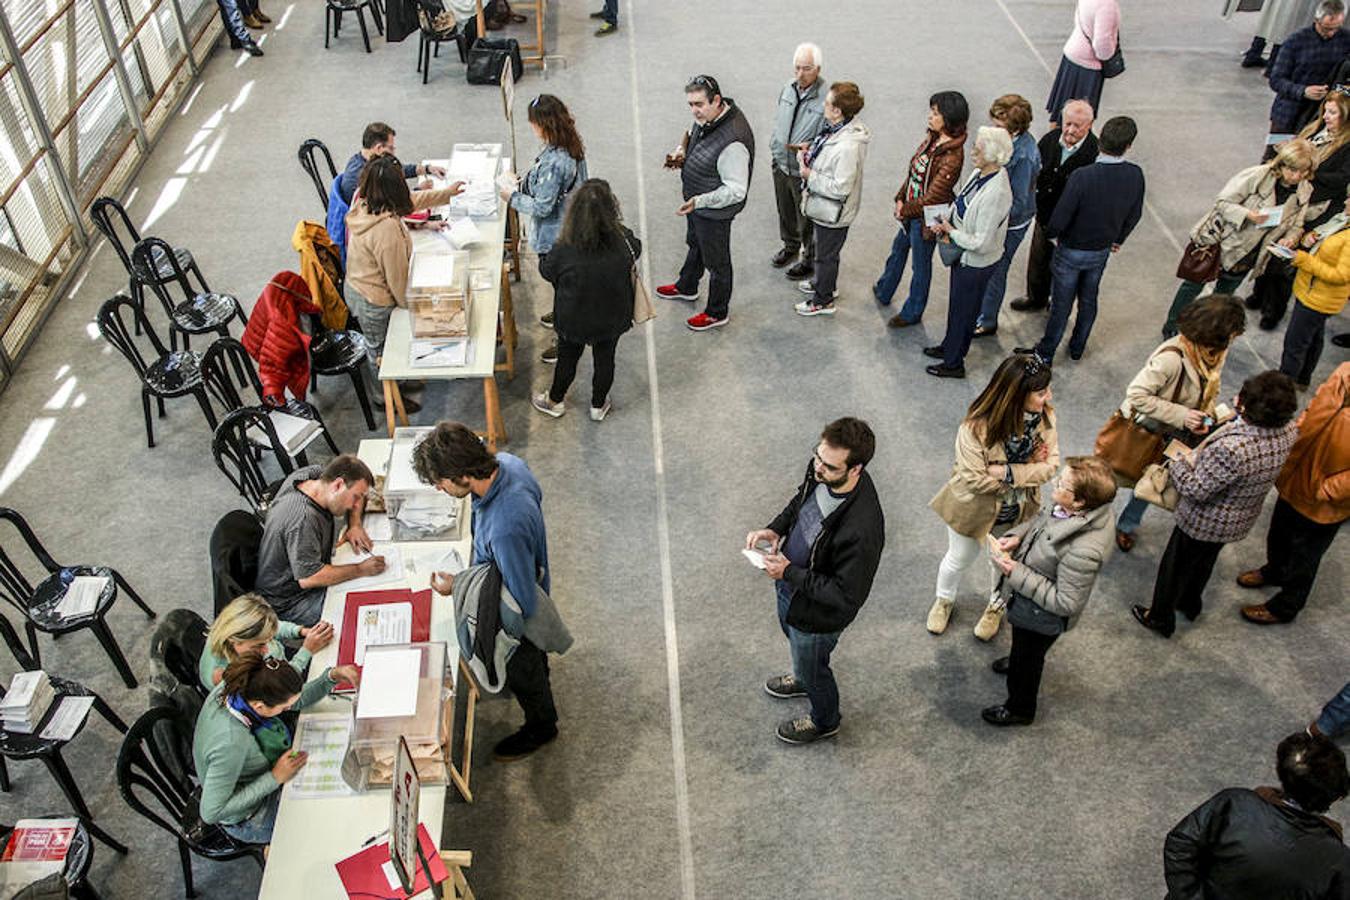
x,y
460,776
389,405
398,404
456,861
496,430
508,313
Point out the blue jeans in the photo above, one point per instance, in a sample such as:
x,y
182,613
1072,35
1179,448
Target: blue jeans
x,y
1076,274
998,281
811,664
908,237
1335,716
257,828
1131,515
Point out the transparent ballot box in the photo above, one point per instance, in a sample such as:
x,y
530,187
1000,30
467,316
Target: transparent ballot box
x,y
438,293
406,691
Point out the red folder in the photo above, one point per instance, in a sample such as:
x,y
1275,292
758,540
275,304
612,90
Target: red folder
x,y
421,619
363,875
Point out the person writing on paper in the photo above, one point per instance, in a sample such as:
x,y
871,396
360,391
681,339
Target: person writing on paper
x,y
249,625
1321,288
241,746
824,549
591,270
542,195
379,248
508,530
1049,565
295,560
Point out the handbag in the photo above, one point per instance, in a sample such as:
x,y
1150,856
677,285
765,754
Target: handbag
x,y
487,58
1126,445
1199,263
950,252
643,309
822,209
1155,485
1113,65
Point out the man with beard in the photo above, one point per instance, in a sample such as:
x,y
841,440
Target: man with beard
x,y
822,552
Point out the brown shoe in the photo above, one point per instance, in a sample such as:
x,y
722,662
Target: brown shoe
x,y
1260,614
1252,579
258,14
1124,540
896,321
252,22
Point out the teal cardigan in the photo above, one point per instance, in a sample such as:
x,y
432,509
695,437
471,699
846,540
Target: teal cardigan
x,y
235,776
207,665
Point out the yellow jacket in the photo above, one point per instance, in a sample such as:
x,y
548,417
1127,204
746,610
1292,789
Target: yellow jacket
x,y
322,281
1323,280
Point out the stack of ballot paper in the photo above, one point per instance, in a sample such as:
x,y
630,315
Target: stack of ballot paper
x,y
294,433
26,702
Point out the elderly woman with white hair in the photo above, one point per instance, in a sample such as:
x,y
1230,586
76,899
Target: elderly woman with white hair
x,y
972,244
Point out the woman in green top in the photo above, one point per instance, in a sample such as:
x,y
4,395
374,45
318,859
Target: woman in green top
x,y
241,745
249,625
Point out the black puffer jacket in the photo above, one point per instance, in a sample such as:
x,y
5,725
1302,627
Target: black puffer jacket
x,y
592,292
827,596
1249,845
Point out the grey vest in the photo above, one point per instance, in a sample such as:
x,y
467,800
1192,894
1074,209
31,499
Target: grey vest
x,y
706,143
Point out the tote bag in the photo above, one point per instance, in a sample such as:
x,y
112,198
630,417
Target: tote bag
x,y
643,310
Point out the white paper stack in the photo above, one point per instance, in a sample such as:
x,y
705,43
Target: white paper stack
x,y
432,353
389,683
294,432
429,513
26,702
82,596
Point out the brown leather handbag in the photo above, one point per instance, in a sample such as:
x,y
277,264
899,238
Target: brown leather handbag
x,y
1127,446
1199,264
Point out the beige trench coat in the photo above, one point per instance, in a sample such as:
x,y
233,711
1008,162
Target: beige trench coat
x,y
1227,223
969,501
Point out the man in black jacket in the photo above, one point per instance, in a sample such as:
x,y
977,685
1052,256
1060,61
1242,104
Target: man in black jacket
x,y
1063,151
1267,843
822,551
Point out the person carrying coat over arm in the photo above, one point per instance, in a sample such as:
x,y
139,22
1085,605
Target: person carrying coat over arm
x,y
1048,577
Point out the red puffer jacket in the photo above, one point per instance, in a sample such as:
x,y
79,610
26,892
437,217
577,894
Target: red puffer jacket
x,y
275,339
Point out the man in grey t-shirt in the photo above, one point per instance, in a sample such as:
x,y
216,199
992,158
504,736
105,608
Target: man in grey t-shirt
x,y
295,561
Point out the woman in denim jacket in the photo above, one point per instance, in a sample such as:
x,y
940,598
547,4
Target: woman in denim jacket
x,y
543,191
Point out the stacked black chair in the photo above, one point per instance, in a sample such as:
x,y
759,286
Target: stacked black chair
x,y
164,373
38,605
112,220
200,310
310,163
334,10
430,38
239,456
236,542
156,776
176,647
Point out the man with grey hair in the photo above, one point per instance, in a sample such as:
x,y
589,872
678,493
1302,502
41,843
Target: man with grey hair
x,y
801,113
1301,73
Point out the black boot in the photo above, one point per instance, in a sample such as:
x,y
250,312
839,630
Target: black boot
x,y
1274,52
1252,59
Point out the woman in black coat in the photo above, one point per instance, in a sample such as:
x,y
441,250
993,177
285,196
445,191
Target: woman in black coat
x,y
590,267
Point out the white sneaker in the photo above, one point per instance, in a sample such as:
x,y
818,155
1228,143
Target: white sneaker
x,y
989,623
598,413
806,287
811,308
939,615
546,406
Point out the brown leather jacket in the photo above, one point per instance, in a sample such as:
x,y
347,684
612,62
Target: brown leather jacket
x,y
1315,479
939,180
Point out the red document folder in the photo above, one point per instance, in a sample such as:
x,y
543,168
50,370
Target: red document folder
x,y
363,875
421,619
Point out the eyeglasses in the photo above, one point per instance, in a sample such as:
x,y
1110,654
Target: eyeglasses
x,y
815,453
706,81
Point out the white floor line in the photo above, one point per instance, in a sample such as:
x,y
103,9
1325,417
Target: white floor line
x,y
1148,205
662,505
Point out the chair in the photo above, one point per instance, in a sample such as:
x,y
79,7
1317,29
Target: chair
x,y
48,750
107,214
339,352
39,605
429,37
175,373
226,353
156,777
235,543
310,164
201,311
176,647
239,456
76,865
333,10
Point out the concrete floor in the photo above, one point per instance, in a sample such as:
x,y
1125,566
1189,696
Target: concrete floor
x,y
916,798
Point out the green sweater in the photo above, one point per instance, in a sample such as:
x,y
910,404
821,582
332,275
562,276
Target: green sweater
x,y
235,776
209,663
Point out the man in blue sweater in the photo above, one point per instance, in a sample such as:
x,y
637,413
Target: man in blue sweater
x,y
377,140
1100,207
508,530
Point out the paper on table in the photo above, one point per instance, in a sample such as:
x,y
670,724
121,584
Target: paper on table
x,y
67,719
82,595
389,684
382,623
378,526
393,566
463,233
433,354
756,558
432,269
1273,216
324,736
931,214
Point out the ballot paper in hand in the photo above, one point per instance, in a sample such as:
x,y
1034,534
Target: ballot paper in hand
x,y
1274,215
936,213
450,563
82,596
756,558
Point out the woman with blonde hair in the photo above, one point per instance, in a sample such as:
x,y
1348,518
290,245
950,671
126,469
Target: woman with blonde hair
x,y
1006,449
1242,225
250,625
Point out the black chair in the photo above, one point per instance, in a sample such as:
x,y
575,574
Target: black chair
x,y
200,311
226,353
239,456
235,544
76,865
108,215
156,777
176,647
169,374
333,10
333,352
39,604
431,39
310,163
30,746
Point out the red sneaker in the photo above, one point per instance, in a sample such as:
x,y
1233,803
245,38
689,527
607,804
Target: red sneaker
x,y
671,292
703,322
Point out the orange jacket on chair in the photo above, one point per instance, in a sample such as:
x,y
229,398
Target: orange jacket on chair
x,y
275,339
322,282
1316,477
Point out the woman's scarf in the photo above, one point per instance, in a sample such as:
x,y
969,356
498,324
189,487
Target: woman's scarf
x,y
272,735
1209,363
819,143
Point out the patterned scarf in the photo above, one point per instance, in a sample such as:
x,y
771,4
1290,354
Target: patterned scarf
x,y
272,735
819,143
1209,363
